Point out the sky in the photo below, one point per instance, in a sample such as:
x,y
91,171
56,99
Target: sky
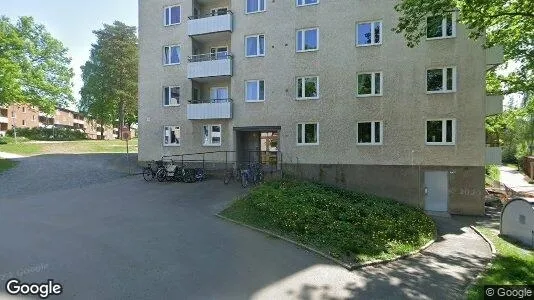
x,y
72,22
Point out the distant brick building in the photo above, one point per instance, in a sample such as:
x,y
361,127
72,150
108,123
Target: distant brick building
x,y
26,116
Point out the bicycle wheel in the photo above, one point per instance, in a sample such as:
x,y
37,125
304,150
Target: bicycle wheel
x,y
227,177
161,175
244,180
148,175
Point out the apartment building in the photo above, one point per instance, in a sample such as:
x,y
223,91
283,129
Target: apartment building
x,y
327,84
19,116
26,116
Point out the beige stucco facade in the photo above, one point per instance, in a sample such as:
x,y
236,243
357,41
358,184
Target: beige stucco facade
x,y
404,106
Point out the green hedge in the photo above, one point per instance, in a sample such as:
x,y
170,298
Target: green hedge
x,y
49,134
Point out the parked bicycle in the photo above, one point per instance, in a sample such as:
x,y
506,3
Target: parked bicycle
x,y
168,172
233,173
150,171
252,174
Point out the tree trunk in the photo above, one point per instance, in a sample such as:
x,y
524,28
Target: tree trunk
x,y
121,118
102,129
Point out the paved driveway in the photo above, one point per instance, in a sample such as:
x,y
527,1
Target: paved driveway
x,y
107,236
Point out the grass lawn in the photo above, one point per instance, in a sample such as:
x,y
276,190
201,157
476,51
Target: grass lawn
x,y
514,265
6,164
85,146
350,226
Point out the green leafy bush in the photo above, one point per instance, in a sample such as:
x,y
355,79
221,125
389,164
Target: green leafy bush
x,y
49,134
492,173
349,225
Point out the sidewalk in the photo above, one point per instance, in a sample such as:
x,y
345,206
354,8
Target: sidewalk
x,y
516,181
10,155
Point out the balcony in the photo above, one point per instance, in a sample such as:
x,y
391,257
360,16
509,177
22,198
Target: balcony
x,y
209,65
212,109
493,156
211,23
494,56
494,105
4,120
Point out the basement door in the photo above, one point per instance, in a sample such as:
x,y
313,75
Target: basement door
x,y
436,191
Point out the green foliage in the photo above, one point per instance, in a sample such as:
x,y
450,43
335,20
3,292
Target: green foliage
x,y
514,265
34,66
110,76
501,22
493,174
352,226
49,134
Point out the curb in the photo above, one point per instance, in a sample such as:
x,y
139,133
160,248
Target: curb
x,y
488,265
350,267
492,247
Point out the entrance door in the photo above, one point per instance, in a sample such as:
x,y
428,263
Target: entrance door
x,y
219,94
436,191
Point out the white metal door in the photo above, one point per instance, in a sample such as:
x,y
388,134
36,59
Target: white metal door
x,y
436,191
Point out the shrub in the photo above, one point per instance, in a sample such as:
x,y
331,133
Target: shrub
x,y
49,134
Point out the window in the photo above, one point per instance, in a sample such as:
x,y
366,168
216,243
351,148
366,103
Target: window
x,y
308,87
255,6
441,80
171,55
196,94
23,109
441,132
255,45
172,15
370,133
369,33
255,91
308,40
23,122
370,84
307,2
308,134
212,135
13,114
219,11
171,136
438,27
171,96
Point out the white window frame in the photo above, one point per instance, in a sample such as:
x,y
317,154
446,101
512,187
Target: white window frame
x,y
258,92
443,132
210,133
373,84
257,36
372,32
257,11
373,134
170,16
303,30
443,28
304,4
165,135
303,78
304,134
444,80
169,95
165,58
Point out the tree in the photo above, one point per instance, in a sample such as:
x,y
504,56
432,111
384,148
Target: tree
x,y
503,22
34,66
110,76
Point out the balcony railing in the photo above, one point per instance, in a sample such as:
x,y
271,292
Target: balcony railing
x,y
209,65
4,120
212,14
209,56
493,156
494,105
209,109
210,23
